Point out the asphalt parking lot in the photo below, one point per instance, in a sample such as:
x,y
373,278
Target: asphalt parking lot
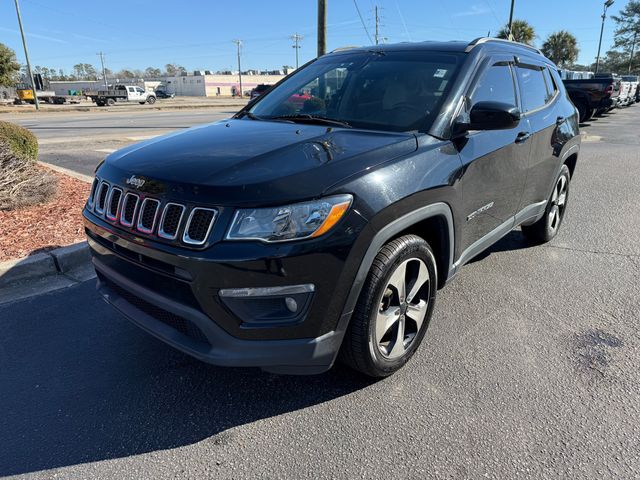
x,y
529,370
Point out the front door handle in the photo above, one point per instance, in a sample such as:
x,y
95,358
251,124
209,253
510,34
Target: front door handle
x,y
560,120
522,137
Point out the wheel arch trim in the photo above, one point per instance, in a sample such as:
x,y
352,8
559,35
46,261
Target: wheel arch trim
x,y
439,209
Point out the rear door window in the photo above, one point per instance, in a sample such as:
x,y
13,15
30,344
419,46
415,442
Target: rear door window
x,y
533,87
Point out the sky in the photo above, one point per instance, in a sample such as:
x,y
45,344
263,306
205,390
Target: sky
x,y
199,34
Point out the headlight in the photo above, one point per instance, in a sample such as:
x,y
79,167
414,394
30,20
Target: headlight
x,y
291,222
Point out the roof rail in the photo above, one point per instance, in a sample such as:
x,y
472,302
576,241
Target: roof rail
x,y
342,49
481,40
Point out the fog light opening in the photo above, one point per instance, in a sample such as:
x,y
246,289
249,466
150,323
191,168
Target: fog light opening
x,y
292,305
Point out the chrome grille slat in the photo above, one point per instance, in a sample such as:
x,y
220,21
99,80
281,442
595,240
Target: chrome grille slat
x,y
170,220
199,225
113,203
129,209
92,195
148,215
101,201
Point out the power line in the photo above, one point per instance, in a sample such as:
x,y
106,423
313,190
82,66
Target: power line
x,y
404,24
364,25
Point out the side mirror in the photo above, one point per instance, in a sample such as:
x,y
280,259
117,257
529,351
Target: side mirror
x,y
493,116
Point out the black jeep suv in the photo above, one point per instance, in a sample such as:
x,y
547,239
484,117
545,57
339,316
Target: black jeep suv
x,y
297,232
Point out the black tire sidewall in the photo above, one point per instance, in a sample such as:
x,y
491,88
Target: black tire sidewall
x,y
549,233
417,248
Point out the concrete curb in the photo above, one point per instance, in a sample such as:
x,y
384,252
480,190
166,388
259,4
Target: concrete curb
x,y
66,171
63,260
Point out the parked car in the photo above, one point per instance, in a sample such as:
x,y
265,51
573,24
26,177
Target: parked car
x,y
164,94
284,241
259,90
635,86
593,96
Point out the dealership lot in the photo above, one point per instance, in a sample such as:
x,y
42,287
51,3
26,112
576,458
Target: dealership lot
x,y
529,367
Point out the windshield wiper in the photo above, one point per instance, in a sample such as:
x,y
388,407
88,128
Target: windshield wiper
x,y
307,117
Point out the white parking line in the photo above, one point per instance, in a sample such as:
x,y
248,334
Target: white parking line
x,y
105,150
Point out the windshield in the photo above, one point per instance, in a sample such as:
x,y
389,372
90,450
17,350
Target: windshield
x,y
396,91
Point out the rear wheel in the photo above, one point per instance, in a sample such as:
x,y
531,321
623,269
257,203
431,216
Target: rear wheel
x,y
589,114
111,102
547,227
394,308
582,111
151,100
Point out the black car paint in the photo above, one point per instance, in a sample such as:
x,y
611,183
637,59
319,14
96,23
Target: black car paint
x,y
393,177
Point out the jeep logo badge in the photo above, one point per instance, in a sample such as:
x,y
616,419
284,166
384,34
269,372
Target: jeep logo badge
x,y
135,181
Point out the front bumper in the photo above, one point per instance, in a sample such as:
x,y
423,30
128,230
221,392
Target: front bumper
x,y
173,294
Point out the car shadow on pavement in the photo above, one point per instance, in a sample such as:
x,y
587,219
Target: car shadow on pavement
x,y
81,384
514,240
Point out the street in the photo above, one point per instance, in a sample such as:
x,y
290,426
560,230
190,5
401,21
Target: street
x,y
63,137
529,368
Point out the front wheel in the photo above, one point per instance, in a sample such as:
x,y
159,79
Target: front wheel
x,y
394,308
547,227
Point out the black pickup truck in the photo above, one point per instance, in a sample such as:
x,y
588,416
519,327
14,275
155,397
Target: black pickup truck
x,y
593,96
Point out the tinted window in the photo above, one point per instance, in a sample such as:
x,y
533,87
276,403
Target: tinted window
x,y
551,86
495,85
397,91
532,87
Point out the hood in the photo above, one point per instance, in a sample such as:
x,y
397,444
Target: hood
x,y
244,161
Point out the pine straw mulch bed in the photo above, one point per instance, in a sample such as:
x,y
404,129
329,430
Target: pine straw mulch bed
x,y
38,228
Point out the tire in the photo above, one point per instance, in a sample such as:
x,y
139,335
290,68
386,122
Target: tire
x,y
111,102
582,111
589,115
151,100
142,103
371,344
548,226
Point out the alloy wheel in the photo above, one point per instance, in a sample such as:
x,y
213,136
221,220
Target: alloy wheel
x,y
558,202
402,308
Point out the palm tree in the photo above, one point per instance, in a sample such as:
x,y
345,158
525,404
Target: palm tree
x,y
561,47
521,31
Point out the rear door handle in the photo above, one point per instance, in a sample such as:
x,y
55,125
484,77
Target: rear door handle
x,y
522,137
560,120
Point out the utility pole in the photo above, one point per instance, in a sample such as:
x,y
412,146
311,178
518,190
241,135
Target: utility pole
x,y
633,48
377,27
322,27
104,74
296,38
26,55
239,45
607,4
513,2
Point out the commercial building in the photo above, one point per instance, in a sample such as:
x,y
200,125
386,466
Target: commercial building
x,y
201,84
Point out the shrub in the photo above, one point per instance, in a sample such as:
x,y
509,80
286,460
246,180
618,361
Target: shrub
x,y
20,140
22,182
